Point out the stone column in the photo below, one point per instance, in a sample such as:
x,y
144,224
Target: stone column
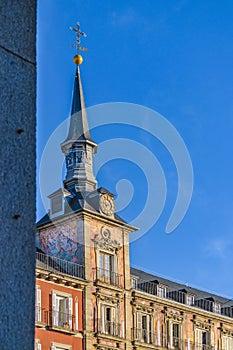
x,y
17,173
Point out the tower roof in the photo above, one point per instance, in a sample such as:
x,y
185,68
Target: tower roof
x,y
78,129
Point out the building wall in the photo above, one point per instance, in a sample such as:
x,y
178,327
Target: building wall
x,y
17,176
46,331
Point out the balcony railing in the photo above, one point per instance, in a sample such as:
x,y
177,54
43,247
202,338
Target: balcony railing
x,y
57,265
109,328
63,320
57,319
41,315
107,276
146,336
181,297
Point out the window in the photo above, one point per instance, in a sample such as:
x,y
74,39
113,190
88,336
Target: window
x,y
134,283
106,269
143,328
109,324
37,345
62,310
217,308
227,343
173,334
56,204
189,299
58,346
105,264
38,305
161,291
176,335
202,339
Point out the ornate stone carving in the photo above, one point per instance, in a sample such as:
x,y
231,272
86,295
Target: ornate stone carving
x,y
174,315
143,307
105,242
202,324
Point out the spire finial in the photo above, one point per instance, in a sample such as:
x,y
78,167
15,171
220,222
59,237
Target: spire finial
x,y
78,58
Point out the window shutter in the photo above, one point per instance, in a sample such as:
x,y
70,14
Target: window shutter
x,y
230,343
224,347
76,315
54,310
171,334
69,311
139,326
38,304
102,327
198,339
158,343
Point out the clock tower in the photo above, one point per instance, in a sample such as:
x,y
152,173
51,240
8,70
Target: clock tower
x,y
82,227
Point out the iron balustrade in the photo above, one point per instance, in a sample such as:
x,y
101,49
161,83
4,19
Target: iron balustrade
x,y
58,265
182,297
54,318
109,328
107,276
146,336
62,320
41,315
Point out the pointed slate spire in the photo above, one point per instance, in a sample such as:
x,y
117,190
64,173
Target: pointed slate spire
x,y
78,129
79,147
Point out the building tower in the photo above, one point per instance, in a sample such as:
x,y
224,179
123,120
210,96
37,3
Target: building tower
x,y
82,228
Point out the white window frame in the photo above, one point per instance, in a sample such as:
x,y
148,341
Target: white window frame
x,y
140,330
113,320
227,342
216,308
198,339
161,288
59,346
56,313
37,344
189,297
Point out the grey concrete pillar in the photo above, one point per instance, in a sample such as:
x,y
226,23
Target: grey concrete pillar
x,y
17,172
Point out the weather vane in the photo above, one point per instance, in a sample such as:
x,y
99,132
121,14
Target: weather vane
x,y
78,58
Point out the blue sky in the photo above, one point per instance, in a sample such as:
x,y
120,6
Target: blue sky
x,y
174,57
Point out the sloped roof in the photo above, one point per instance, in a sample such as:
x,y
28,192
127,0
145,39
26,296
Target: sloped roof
x,y
200,294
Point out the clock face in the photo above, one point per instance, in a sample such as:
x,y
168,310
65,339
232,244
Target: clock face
x,y
107,204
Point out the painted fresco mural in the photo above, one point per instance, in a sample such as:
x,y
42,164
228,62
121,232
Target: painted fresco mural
x,y
61,242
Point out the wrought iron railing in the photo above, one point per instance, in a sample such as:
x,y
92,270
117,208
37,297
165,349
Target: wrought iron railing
x,y
41,315
62,320
180,296
54,318
107,276
109,328
144,336
176,343
58,265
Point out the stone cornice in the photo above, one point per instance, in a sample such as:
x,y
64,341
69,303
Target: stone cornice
x,y
65,280
87,215
182,307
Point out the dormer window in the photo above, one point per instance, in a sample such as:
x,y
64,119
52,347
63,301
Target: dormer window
x,y
217,308
189,299
57,202
161,291
134,282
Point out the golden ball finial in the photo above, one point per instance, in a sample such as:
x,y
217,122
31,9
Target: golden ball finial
x,y
78,59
